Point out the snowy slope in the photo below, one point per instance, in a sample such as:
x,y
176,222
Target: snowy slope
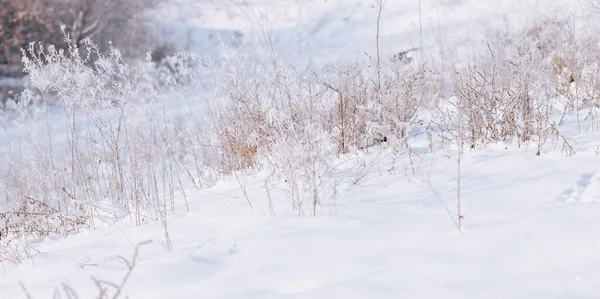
x,y
333,30
531,231
531,227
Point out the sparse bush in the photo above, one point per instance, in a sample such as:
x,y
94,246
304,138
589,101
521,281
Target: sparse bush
x,y
120,153
514,93
269,115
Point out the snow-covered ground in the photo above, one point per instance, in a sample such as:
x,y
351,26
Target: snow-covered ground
x,y
530,229
339,30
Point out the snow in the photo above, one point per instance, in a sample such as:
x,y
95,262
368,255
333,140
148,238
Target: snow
x,y
527,234
531,225
334,30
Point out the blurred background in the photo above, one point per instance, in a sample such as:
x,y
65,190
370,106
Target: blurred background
x,y
24,21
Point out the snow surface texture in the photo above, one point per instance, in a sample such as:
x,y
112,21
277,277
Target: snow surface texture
x,y
385,238
531,227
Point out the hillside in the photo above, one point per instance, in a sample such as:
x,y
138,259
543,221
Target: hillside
x,y
289,160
